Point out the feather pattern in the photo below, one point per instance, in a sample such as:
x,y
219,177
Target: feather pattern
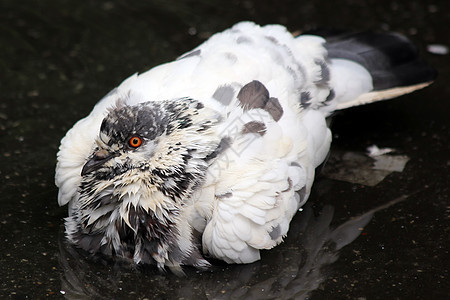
x,y
223,141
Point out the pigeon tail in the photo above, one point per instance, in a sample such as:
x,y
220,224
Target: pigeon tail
x,y
391,60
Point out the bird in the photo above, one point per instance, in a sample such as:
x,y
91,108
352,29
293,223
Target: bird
x,y
210,156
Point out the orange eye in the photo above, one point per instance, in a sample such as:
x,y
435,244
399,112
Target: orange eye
x,y
135,141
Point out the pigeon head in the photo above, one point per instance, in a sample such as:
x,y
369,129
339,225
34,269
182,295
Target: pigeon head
x,y
153,143
147,161
127,140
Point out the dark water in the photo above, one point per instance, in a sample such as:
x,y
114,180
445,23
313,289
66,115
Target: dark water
x,y
57,58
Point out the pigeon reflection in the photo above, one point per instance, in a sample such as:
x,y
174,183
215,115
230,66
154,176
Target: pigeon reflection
x,y
292,270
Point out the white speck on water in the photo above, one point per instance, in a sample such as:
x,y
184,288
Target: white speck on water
x,y
375,151
192,31
438,49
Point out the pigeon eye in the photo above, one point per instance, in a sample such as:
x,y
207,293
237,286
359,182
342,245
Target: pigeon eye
x,y
135,141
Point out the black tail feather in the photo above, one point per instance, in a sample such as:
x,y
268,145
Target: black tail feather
x,y
391,59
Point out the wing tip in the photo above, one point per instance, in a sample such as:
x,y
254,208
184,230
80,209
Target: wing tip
x,y
380,95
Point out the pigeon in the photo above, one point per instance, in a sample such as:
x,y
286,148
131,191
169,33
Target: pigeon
x,y
210,156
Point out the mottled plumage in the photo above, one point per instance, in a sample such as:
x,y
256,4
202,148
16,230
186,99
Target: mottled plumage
x,y
211,155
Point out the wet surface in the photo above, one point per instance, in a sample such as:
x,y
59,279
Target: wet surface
x,y
57,58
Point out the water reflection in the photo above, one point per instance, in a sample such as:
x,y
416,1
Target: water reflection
x,y
291,270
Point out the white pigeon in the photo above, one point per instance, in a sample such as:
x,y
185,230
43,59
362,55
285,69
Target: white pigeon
x,y
211,155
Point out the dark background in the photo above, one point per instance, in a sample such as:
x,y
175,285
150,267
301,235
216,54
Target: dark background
x,y
57,58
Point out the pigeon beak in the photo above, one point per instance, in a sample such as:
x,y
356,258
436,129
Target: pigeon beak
x,y
96,161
